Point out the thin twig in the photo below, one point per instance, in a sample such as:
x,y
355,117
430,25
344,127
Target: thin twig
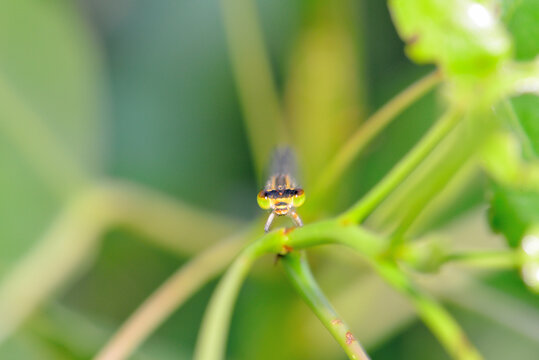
x,y
509,311
491,260
372,127
458,150
62,252
394,207
439,321
169,296
365,205
213,333
461,181
74,236
299,274
166,222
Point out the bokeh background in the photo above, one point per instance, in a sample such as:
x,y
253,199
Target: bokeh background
x,y
145,91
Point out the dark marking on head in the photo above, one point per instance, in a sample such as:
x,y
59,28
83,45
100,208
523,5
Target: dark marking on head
x,y
284,193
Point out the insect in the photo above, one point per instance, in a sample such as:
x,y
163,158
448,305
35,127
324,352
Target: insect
x,y
281,194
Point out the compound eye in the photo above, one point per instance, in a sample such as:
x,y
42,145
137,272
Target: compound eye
x,y
299,198
263,200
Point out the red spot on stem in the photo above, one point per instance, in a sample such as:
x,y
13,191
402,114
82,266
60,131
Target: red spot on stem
x,y
336,321
286,249
349,338
288,230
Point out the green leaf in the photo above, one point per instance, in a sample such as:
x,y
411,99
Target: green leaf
x,y
512,212
461,36
521,18
527,112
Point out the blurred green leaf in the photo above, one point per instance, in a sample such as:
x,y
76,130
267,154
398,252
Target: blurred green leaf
x,y
28,347
324,94
521,18
527,112
50,78
49,328
470,44
512,212
50,59
50,117
461,36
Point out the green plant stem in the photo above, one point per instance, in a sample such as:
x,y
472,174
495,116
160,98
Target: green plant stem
x,y
299,274
68,245
370,128
437,319
262,112
211,342
48,327
455,153
213,334
429,190
169,296
491,260
515,314
395,207
464,178
71,241
163,221
214,330
364,206
372,247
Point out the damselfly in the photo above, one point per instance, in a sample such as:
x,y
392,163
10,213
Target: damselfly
x,y
281,194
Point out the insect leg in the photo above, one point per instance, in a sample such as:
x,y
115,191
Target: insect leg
x,y
294,215
269,221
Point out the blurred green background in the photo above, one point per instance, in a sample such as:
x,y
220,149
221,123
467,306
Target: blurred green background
x,y
145,91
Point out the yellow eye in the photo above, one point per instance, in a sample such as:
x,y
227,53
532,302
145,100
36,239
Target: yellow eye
x,y
299,198
263,200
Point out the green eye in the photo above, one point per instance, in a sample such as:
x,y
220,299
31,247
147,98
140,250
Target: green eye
x,y
263,200
299,198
